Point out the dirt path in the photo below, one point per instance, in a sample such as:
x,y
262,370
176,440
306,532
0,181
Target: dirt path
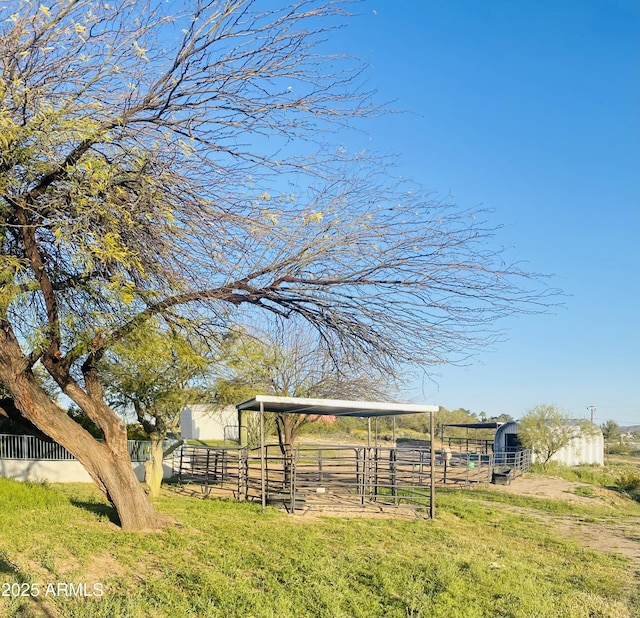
x,y
554,488
616,534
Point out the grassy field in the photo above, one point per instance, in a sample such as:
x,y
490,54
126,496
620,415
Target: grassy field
x,y
488,554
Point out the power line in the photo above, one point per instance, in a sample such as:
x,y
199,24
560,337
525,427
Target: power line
x,y
622,423
620,407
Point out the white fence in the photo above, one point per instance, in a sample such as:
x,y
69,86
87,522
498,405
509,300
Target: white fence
x,y
32,447
28,458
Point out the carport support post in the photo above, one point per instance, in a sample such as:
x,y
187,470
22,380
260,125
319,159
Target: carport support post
x,y
368,459
432,489
263,484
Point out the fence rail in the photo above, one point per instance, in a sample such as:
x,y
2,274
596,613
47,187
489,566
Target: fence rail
x,y
469,445
34,448
519,460
214,468
315,475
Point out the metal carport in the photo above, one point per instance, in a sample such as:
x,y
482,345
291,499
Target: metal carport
x,y
331,407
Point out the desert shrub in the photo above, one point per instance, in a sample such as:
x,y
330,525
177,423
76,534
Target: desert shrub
x,y
619,449
629,481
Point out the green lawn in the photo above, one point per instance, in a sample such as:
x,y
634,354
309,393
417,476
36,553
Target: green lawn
x,y
481,557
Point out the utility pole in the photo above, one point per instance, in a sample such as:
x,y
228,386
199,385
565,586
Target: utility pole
x,y
591,409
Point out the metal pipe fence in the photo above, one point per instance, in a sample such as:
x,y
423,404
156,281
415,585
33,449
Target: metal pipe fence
x,y
519,460
340,476
323,474
216,469
312,476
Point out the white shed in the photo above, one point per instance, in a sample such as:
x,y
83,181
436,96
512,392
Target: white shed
x,y
208,422
586,447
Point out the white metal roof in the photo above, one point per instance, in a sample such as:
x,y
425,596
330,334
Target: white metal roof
x,y
335,407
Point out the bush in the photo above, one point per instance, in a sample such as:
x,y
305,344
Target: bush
x,y
629,481
135,432
594,474
81,417
619,449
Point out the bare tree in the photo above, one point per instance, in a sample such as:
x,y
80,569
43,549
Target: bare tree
x,y
182,166
292,362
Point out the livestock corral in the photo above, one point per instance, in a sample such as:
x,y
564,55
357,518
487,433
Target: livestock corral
x,y
352,476
396,474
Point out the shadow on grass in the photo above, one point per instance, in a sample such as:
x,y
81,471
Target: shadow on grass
x,y
8,567
104,511
631,495
28,605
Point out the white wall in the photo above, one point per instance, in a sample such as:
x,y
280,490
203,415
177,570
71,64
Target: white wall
x,y
200,422
583,449
69,471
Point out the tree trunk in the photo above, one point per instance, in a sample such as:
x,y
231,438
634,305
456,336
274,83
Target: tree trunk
x,y
285,428
108,464
154,468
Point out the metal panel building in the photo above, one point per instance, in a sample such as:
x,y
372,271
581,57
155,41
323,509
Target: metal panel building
x,y
586,447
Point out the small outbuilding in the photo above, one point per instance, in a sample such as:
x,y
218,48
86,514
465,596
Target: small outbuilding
x,y
207,422
585,447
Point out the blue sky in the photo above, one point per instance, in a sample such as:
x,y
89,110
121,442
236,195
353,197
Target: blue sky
x,y
529,109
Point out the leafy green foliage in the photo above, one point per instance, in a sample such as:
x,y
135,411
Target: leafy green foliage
x,y
629,482
611,431
586,473
80,417
156,371
615,442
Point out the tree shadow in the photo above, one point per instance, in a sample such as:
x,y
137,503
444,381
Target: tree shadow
x,y
630,495
28,606
8,567
103,511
